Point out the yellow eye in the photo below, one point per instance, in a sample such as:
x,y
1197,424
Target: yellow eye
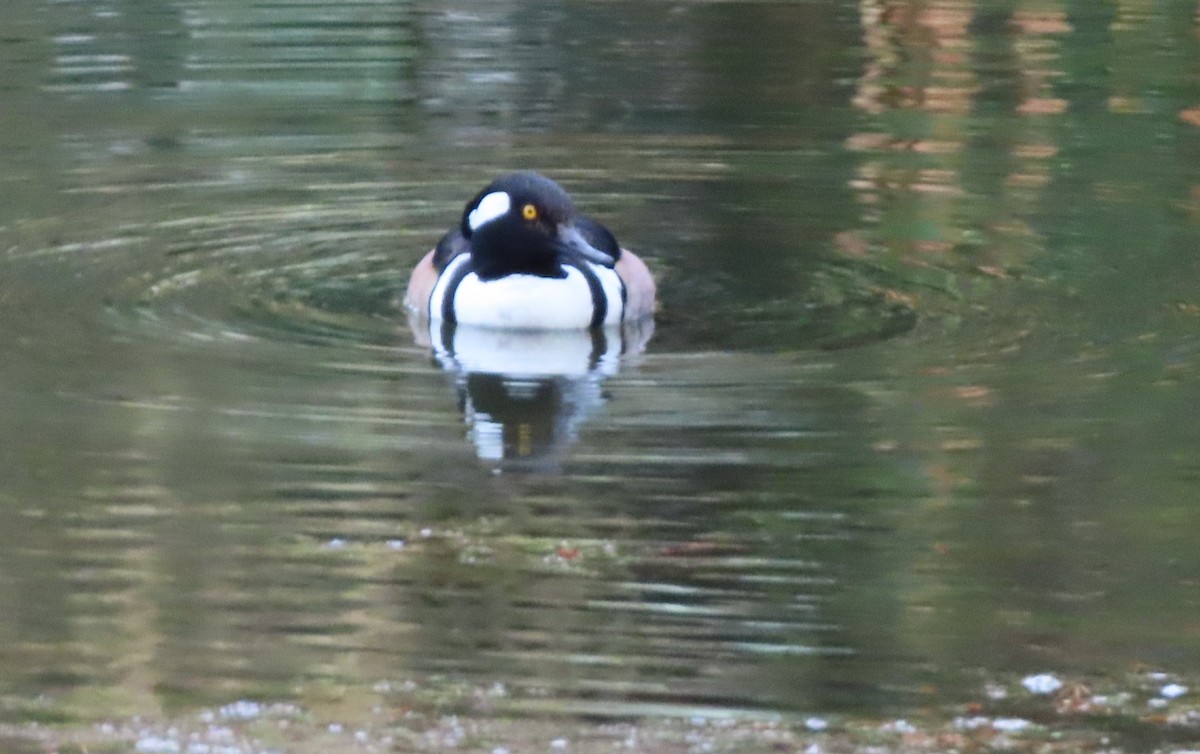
x,y
529,212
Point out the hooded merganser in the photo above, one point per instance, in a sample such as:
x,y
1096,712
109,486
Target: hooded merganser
x,y
523,259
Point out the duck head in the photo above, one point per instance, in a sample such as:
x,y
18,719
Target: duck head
x,y
525,223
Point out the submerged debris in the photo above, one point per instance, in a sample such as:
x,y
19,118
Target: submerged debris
x,y
1043,683
1172,691
1058,715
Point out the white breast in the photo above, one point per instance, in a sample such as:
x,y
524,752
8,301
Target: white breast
x,y
527,302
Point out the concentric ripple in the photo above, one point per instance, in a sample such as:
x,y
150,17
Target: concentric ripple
x,y
295,274
334,274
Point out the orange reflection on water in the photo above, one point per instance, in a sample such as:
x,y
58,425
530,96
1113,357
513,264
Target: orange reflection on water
x,y
947,84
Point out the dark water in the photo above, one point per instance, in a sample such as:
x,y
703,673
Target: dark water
x,y
920,406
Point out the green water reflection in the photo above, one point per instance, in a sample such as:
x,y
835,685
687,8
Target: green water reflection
x,y
920,406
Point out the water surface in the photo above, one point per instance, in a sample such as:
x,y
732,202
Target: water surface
x,y
919,408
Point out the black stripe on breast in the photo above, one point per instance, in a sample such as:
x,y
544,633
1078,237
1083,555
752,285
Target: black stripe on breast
x,y
452,288
599,300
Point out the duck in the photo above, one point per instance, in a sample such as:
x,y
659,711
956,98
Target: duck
x,y
523,258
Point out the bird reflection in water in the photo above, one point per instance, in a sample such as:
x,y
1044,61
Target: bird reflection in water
x,y
525,394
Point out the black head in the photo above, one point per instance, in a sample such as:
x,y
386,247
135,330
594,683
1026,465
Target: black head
x,y
525,223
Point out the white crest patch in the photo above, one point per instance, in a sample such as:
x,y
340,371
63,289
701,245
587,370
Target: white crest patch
x,y
491,206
